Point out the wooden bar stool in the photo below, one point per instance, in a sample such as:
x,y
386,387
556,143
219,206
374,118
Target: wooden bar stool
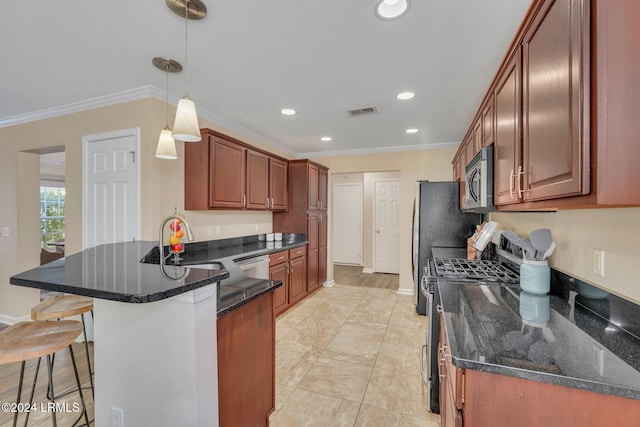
x,y
61,306
30,340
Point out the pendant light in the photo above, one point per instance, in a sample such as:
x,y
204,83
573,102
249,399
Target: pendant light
x,y
166,148
185,126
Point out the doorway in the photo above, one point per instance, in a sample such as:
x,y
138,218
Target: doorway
x,y
387,227
347,223
111,187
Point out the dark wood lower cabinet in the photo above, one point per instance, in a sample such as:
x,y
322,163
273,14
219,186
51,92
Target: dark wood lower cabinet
x,y
297,276
246,364
290,268
312,268
280,295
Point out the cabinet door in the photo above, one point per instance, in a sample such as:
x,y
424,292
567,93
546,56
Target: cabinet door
x,y
506,155
281,294
555,156
246,364
477,136
313,187
322,265
322,230
487,123
226,174
257,180
297,279
312,231
312,270
323,183
278,184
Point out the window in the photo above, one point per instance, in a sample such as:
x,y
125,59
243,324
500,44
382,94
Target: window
x,y
51,215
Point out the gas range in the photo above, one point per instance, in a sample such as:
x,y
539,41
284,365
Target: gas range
x,y
476,270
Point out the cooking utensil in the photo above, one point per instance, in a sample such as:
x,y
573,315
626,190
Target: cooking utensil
x,y
528,251
512,237
541,240
549,251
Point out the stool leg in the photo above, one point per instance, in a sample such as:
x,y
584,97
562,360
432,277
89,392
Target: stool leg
x,y
15,415
86,348
50,369
75,371
33,389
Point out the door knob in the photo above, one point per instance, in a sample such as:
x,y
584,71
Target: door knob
x,y
378,231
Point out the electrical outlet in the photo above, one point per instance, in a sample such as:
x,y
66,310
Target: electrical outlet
x,y
598,358
598,262
6,231
117,417
212,230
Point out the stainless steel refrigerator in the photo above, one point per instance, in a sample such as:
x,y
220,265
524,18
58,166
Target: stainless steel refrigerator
x,y
437,222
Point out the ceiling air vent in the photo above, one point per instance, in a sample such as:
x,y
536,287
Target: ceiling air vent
x,y
364,110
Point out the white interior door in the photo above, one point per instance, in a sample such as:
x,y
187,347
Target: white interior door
x,y
111,188
347,223
387,230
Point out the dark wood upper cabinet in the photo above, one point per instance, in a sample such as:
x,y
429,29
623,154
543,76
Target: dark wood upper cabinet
x,y
555,156
257,180
323,183
278,184
224,173
488,123
477,136
313,187
227,174
506,153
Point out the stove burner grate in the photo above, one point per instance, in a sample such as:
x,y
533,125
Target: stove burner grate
x,y
477,269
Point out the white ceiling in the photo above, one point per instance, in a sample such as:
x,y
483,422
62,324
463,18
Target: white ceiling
x,y
249,59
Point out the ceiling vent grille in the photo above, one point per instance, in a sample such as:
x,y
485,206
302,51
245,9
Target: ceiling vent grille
x,y
361,111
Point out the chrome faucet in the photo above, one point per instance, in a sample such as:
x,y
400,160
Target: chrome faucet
x,y
162,225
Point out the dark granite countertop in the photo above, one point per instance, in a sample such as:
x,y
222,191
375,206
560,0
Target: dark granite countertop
x,y
130,271
565,338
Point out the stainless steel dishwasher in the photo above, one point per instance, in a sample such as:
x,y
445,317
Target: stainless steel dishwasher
x,y
256,267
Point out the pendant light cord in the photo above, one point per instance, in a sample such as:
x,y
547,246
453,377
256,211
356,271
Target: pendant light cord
x,y
167,92
186,38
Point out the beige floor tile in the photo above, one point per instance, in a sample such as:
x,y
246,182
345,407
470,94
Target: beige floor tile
x,y
307,409
292,366
386,294
308,339
371,332
409,336
292,317
347,349
338,379
370,416
282,394
399,357
282,331
369,316
398,392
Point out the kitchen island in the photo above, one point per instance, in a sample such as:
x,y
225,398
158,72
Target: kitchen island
x,y
507,357
155,330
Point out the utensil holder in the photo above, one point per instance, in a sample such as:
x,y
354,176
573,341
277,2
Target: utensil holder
x,y
535,308
535,276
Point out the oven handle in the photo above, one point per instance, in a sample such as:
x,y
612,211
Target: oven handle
x,y
423,372
439,308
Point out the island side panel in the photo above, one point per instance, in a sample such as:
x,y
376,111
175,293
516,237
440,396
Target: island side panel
x,y
157,361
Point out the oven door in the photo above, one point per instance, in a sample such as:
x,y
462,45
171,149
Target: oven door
x,y
425,351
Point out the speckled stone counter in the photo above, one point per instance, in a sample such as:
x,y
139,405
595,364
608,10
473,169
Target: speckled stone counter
x,y
130,272
577,336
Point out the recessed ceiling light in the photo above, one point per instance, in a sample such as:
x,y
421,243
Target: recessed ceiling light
x,y
325,139
405,96
412,130
288,111
391,9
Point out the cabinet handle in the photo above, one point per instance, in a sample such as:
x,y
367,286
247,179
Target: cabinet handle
x,y
272,203
281,257
519,178
244,200
268,203
511,178
291,267
286,268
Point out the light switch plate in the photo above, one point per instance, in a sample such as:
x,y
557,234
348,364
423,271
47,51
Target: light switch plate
x,y
6,231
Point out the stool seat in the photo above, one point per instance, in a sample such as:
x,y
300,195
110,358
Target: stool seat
x,y
30,340
60,306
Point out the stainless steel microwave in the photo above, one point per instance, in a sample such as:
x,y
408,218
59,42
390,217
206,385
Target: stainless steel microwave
x,y
478,196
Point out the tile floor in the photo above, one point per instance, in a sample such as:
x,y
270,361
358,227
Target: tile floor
x,y
349,356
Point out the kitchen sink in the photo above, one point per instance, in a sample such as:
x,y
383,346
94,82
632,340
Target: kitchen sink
x,y
153,257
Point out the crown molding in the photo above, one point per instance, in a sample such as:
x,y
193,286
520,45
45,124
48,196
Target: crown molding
x,y
379,150
134,95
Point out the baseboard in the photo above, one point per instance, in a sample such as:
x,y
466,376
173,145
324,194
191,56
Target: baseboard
x,y
405,291
10,320
329,283
368,270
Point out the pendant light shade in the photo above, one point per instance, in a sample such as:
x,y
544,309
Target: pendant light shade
x,y
166,146
185,126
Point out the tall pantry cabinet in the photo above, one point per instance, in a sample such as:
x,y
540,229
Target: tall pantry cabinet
x,y
308,185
